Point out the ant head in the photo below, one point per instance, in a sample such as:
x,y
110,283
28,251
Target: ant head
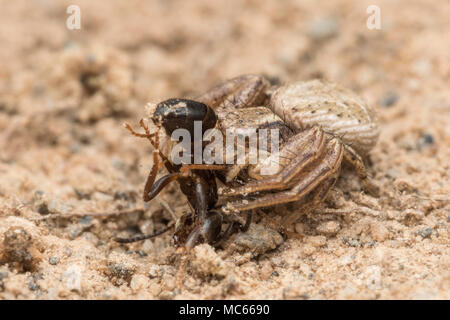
x,y
175,114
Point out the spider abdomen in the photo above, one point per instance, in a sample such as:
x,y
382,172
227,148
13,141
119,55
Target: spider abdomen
x,y
335,109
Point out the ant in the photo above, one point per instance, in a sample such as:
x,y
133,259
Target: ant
x,y
196,181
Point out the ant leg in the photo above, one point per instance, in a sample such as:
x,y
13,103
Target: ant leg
x,y
147,132
193,238
352,157
147,135
144,236
156,187
153,172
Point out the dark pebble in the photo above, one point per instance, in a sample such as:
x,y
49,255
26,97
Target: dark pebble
x,y
38,194
33,286
43,209
425,233
121,271
81,195
53,261
351,242
428,138
389,99
424,141
138,252
86,221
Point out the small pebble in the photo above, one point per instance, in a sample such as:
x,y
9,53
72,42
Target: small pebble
x,y
71,278
379,232
308,250
18,245
425,233
206,262
138,282
389,99
86,221
329,228
33,286
122,271
53,261
324,28
153,272
38,194
166,295
350,242
299,228
317,241
425,140
43,208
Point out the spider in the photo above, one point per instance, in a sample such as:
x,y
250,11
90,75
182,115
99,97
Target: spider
x,y
321,125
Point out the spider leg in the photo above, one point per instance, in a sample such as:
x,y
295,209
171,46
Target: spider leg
x,y
250,87
187,167
306,181
300,151
317,196
352,157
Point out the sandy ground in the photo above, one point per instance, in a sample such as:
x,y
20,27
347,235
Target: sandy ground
x,y
64,95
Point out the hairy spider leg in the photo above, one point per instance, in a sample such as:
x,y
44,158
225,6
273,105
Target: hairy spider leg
x,y
325,167
300,150
352,157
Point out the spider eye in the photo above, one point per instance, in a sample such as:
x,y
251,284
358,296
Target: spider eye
x,y
175,114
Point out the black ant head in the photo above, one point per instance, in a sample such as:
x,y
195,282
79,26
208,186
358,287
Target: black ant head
x,y
175,114
188,234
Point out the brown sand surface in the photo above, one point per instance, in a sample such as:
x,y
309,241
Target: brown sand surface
x,y
64,95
